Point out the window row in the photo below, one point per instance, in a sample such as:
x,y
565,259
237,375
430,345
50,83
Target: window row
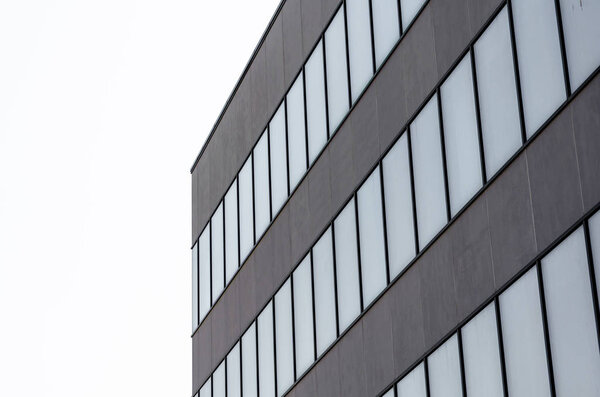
x,y
537,338
511,80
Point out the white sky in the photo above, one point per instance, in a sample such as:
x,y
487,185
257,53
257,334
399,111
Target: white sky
x,y
104,105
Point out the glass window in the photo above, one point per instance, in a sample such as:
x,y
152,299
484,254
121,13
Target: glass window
x,y
390,393
428,170
218,381
372,242
195,286
460,132
204,271
523,338
540,62
249,385
497,91
246,209
206,389
582,35
324,292
359,45
483,374
398,206
316,119
571,321
262,203
413,384
594,224
217,253
409,10
346,265
303,316
283,337
443,366
296,131
279,190
234,386
231,232
266,353
337,70
386,28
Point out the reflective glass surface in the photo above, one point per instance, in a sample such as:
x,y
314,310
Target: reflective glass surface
x,y
246,209
385,27
218,381
413,384
324,292
303,316
231,232
266,353
249,384
283,337
217,253
234,385
262,202
337,70
204,271
359,45
195,286
444,370
296,131
279,192
316,118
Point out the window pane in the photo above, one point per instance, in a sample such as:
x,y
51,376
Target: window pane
x,y
217,252
428,171
398,206
218,381
595,240
571,322
337,70
409,9
234,387
206,390
497,94
266,354
385,27
359,45
372,243
582,35
283,337
246,211
346,265
540,62
324,292
444,370
315,103
262,206
231,232
523,338
195,286
483,374
390,393
296,131
204,271
249,385
460,132
413,384
278,155
303,316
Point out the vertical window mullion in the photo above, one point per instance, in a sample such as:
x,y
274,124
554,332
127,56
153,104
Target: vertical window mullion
x,y
287,150
237,200
412,189
347,54
224,250
210,271
461,361
335,287
590,258
563,49
400,20
274,348
478,117
305,117
293,328
513,45
501,346
426,372
268,132
372,21
360,283
325,86
385,237
443,149
545,327
314,311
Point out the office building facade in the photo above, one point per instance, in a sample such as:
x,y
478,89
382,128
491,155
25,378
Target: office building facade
x,y
400,199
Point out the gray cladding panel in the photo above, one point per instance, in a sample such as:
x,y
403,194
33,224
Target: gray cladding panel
x,y
300,231
307,387
202,355
328,375
352,361
452,31
319,194
292,40
275,65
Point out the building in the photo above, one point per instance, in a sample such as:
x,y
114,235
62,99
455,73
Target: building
x,y
399,198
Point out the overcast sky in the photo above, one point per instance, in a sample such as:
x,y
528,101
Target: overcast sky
x,y
104,105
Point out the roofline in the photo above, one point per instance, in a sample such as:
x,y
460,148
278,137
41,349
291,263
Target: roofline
x,y
237,85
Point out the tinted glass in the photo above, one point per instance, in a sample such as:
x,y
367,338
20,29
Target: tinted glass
x,y
217,252
234,386
428,172
324,292
409,9
218,381
497,94
283,337
398,206
303,316
195,286
359,45
204,271
523,338
540,62
460,133
385,27
372,242
262,203
337,70
582,35
231,232
296,131
483,374
246,209
249,385
266,354
279,192
444,370
315,103
571,321
346,265
413,384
